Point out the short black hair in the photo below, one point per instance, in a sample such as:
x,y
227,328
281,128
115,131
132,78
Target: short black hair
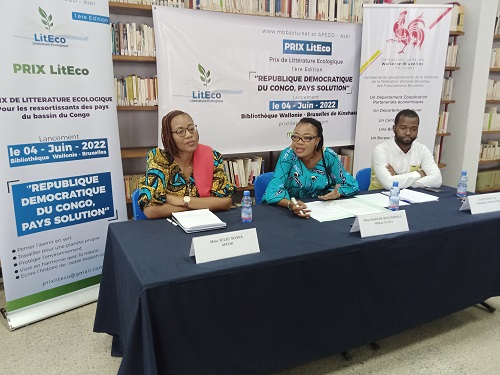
x,y
406,113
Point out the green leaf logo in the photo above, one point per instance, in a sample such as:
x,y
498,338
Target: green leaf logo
x,y
205,75
46,19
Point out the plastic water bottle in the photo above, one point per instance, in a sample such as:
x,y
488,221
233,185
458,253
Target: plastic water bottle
x,y
462,185
394,197
246,207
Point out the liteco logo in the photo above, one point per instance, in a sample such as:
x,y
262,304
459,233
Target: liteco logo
x,y
205,95
48,39
411,35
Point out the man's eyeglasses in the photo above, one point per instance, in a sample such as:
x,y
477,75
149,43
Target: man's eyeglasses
x,y
305,138
182,132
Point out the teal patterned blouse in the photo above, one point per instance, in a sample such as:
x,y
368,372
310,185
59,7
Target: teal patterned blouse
x,y
293,179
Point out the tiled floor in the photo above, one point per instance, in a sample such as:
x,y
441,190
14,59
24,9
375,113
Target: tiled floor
x,y
467,342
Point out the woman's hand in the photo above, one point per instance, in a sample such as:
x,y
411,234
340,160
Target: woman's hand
x,y
299,208
334,194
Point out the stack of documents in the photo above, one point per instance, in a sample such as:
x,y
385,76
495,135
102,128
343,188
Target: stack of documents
x,y
363,204
341,209
198,220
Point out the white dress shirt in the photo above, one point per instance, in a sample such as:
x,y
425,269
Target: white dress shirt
x,y
406,166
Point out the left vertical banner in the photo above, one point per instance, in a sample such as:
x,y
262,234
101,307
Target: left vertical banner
x,y
60,164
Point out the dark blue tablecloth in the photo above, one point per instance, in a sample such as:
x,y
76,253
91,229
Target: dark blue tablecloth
x,y
313,290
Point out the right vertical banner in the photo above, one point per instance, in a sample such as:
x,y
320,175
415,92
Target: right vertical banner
x,y
403,53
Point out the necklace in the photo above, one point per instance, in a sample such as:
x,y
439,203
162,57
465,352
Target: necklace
x,y
311,163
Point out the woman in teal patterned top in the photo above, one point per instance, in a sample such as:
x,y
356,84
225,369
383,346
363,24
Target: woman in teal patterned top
x,y
308,170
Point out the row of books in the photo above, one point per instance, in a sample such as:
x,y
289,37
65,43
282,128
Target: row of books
x,y
488,180
451,55
457,17
131,182
493,90
491,119
243,171
447,90
489,151
327,10
443,122
497,24
346,157
495,58
437,151
136,91
130,39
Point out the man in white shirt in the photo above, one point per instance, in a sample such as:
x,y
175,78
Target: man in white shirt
x,y
404,159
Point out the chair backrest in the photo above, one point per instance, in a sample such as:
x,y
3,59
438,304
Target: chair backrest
x,y
138,214
260,185
363,178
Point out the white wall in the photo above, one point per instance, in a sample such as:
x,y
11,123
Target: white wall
x,y
461,149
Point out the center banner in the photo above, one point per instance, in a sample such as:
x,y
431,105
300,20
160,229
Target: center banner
x,y
248,80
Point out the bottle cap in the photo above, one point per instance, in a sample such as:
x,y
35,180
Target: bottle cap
x,y
395,183
246,192
464,173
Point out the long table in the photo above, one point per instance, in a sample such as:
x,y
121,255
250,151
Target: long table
x,y
313,290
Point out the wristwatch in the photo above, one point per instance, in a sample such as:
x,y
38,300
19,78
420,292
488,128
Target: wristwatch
x,y
187,199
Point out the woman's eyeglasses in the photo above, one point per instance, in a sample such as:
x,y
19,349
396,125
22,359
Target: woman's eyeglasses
x,y
305,138
182,131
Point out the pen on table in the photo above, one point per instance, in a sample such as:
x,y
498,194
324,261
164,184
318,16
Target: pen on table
x,y
172,222
294,201
406,200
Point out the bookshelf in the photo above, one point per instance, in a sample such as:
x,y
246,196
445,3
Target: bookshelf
x,y
137,122
450,69
488,174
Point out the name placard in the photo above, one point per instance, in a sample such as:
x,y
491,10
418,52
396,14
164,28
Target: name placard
x,y
380,223
482,203
224,245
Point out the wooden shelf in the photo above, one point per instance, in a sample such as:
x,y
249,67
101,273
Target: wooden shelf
x,y
497,37
135,152
489,161
442,134
137,108
451,68
491,131
488,191
249,187
452,33
447,101
493,101
130,9
495,70
441,165
143,59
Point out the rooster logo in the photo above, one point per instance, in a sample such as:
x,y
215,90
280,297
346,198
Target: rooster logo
x,y
412,35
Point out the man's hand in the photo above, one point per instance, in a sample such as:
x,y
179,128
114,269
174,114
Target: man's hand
x,y
422,173
391,170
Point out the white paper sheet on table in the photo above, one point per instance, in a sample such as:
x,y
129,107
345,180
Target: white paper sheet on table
x,y
341,209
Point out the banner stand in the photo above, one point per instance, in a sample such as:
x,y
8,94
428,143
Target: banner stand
x,y
43,310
